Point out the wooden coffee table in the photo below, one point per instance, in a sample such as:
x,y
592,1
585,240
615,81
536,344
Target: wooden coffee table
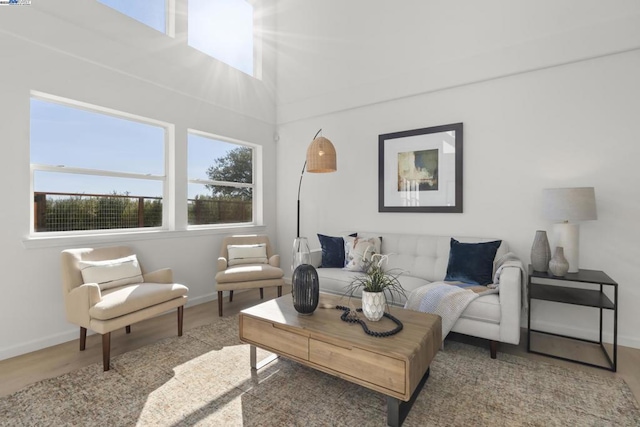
x,y
397,366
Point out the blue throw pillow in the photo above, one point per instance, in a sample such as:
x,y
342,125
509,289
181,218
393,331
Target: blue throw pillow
x,y
472,263
332,251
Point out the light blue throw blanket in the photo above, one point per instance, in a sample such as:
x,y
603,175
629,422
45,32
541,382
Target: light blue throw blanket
x,y
446,299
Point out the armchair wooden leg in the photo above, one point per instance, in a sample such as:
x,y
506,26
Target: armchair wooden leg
x,y
279,291
220,303
230,296
83,338
261,293
180,317
493,346
106,350
128,329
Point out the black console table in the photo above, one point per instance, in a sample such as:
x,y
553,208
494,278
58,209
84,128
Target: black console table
x,y
577,296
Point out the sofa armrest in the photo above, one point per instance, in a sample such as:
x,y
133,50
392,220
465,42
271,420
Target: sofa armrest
x,y
164,275
510,304
316,257
274,261
78,302
222,263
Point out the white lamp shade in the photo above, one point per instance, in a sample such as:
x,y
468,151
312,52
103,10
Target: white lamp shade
x,y
569,204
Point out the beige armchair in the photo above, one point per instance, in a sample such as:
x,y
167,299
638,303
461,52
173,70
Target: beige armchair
x,y
247,262
106,289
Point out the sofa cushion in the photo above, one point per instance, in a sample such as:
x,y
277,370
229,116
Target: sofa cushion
x,y
127,299
423,256
335,280
485,308
246,273
471,263
333,255
111,273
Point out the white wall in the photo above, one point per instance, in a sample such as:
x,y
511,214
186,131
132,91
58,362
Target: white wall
x,y
86,51
548,93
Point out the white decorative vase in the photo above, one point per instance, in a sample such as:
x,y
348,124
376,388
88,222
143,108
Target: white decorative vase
x,y
373,304
558,266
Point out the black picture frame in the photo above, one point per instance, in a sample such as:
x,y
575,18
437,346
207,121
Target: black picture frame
x,y
420,170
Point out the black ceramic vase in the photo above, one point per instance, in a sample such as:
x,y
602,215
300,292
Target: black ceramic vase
x,y
305,289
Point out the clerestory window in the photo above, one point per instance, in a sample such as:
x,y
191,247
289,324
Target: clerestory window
x,y
94,168
150,12
223,29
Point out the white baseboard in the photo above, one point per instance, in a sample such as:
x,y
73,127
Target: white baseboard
x,y
74,333
40,343
202,299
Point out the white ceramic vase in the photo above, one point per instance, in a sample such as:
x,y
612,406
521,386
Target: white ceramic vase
x,y
558,266
373,304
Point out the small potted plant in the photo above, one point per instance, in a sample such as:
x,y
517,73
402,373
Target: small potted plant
x,y
375,284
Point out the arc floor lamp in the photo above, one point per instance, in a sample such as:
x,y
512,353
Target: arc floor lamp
x,y
321,158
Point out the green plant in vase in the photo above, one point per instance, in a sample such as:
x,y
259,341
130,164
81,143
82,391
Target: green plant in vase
x,y
375,284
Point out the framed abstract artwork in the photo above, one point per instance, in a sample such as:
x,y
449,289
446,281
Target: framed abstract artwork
x,y
420,170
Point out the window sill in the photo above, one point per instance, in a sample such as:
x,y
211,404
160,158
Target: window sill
x,y
37,242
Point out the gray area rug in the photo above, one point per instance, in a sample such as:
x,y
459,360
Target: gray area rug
x,y
203,378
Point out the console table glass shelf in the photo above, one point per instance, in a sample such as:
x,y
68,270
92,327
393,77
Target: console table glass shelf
x,y
577,296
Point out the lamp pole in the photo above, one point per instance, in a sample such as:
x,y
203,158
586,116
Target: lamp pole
x,y
300,186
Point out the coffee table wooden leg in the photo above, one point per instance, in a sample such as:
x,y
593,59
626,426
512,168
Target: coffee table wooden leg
x,y
253,358
397,410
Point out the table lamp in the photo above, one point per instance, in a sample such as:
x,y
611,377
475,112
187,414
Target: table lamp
x,y
569,204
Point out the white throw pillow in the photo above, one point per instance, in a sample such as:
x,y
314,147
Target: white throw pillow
x,y
359,250
247,254
112,273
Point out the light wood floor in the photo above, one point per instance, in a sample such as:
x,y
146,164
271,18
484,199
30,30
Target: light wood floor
x,y
18,372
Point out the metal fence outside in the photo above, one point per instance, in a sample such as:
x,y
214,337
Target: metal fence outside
x,y
79,211
219,211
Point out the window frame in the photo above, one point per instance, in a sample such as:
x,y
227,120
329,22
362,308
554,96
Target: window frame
x,y
255,186
166,178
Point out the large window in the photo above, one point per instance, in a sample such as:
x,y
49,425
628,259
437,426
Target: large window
x,y
221,180
93,168
223,29
150,12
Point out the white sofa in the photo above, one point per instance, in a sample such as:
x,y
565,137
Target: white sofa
x,y
424,259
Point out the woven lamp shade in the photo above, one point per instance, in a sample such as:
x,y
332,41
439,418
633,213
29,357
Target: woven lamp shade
x,y
321,156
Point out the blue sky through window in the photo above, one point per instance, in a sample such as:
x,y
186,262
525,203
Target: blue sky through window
x,y
62,135
223,29
202,153
74,137
150,12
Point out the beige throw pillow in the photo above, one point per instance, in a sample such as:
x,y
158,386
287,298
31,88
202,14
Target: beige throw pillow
x,y
247,254
112,273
